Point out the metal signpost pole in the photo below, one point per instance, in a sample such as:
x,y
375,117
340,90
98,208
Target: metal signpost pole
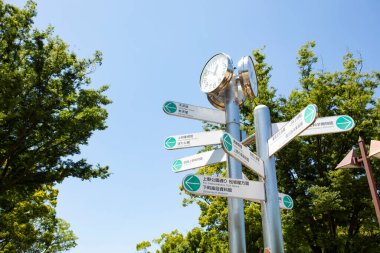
x,y
370,178
236,228
271,219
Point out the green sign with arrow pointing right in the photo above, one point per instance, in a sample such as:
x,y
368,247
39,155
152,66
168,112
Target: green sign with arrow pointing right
x,y
227,142
345,123
285,201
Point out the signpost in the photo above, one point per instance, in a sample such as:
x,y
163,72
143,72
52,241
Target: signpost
x,y
226,90
194,112
243,154
193,140
293,128
224,187
199,160
325,125
285,201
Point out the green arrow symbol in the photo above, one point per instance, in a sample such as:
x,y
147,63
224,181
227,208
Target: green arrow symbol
x,y
310,113
344,122
170,107
170,142
288,202
191,183
227,142
177,165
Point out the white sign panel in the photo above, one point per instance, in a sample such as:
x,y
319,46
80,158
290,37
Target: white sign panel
x,y
194,112
292,128
224,187
193,140
325,125
243,154
199,160
285,201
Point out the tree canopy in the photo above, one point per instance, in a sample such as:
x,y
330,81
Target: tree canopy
x,y
47,111
333,211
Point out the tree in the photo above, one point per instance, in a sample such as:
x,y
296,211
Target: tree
x,y
143,246
29,224
332,210
46,113
43,104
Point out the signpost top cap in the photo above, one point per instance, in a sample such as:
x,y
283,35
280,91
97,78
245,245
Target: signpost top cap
x,y
374,149
349,161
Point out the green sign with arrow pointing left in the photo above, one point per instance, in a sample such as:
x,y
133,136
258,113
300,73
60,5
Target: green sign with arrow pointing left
x,y
191,183
170,107
177,165
170,142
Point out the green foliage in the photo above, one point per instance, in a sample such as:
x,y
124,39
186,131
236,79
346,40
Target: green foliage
x,y
29,224
46,113
143,246
332,207
43,103
333,211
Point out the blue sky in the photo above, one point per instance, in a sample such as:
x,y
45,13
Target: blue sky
x,y
154,51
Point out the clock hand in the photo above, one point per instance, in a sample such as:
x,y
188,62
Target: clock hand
x,y
216,69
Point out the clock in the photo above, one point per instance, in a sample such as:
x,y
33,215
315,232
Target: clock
x,y
217,100
216,74
248,78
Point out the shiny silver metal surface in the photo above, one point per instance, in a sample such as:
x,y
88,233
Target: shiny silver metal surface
x,y
248,77
236,227
270,209
216,74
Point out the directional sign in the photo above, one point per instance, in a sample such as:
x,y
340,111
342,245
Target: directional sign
x,y
191,183
325,125
243,154
293,128
194,112
199,160
193,140
285,201
224,187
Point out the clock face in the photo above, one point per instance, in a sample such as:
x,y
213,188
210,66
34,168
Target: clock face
x,y
248,77
216,74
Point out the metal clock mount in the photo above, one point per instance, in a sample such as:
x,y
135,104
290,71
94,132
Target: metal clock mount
x,y
219,72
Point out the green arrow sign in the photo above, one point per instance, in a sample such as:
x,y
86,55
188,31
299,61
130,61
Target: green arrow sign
x,y
191,183
170,107
227,142
177,165
310,113
170,142
194,112
288,202
324,125
224,187
344,122
292,128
